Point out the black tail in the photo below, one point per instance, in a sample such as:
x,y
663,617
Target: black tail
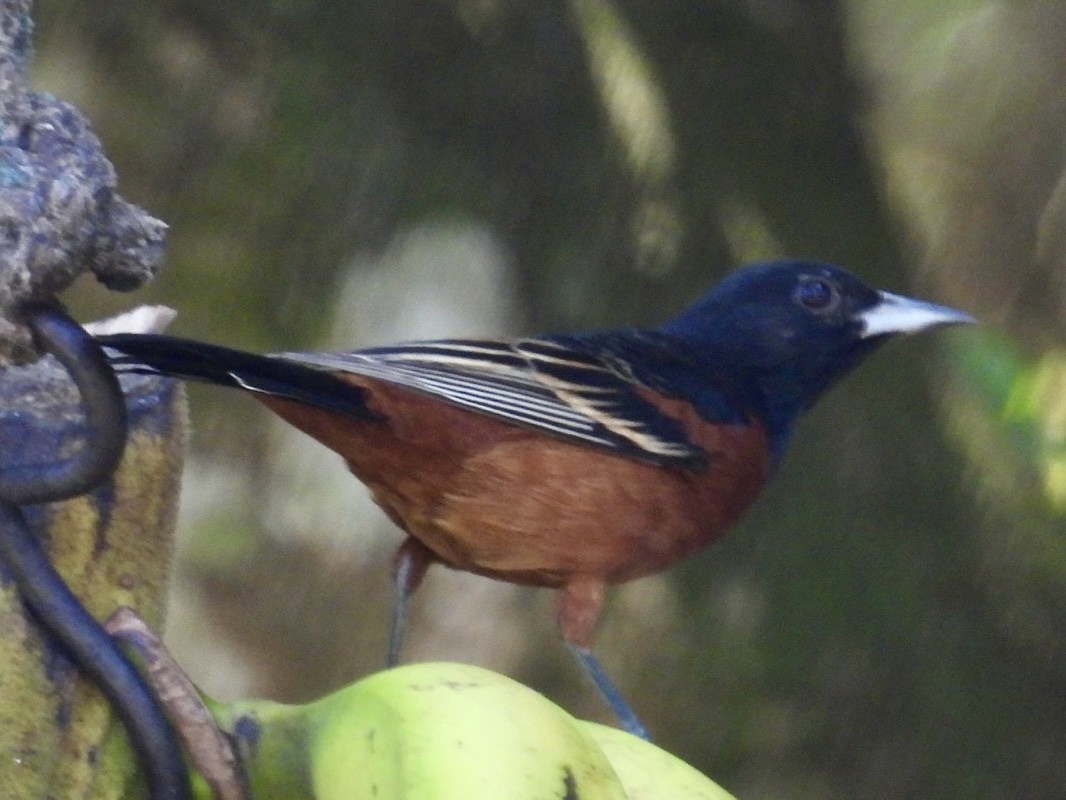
x,y
152,354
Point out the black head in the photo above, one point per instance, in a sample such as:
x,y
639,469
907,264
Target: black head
x,y
786,330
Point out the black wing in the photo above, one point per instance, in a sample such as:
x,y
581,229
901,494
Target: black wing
x,y
569,391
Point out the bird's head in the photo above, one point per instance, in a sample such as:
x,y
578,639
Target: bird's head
x,y
786,330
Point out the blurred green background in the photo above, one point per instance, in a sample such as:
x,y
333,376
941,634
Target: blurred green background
x,y
888,619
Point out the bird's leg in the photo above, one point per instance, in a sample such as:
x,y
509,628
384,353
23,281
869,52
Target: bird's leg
x,y
580,603
412,560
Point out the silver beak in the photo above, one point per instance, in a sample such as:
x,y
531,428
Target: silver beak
x,y
898,314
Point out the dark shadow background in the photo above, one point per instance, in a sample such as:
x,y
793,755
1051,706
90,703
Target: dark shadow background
x,y
886,622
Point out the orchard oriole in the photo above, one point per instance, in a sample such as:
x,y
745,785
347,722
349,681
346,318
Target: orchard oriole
x,y
572,461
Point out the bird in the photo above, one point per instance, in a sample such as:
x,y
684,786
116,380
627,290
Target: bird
x,y
573,461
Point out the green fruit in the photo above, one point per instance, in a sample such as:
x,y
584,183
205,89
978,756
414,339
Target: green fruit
x,y
421,732
443,731
447,732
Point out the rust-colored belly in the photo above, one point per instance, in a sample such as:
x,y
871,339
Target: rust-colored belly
x,y
511,503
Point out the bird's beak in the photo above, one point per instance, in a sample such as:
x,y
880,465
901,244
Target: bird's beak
x,y
898,314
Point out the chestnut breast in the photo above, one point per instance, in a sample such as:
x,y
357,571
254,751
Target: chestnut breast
x,y
517,504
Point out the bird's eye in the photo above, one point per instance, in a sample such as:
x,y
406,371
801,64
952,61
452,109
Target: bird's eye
x,y
819,295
